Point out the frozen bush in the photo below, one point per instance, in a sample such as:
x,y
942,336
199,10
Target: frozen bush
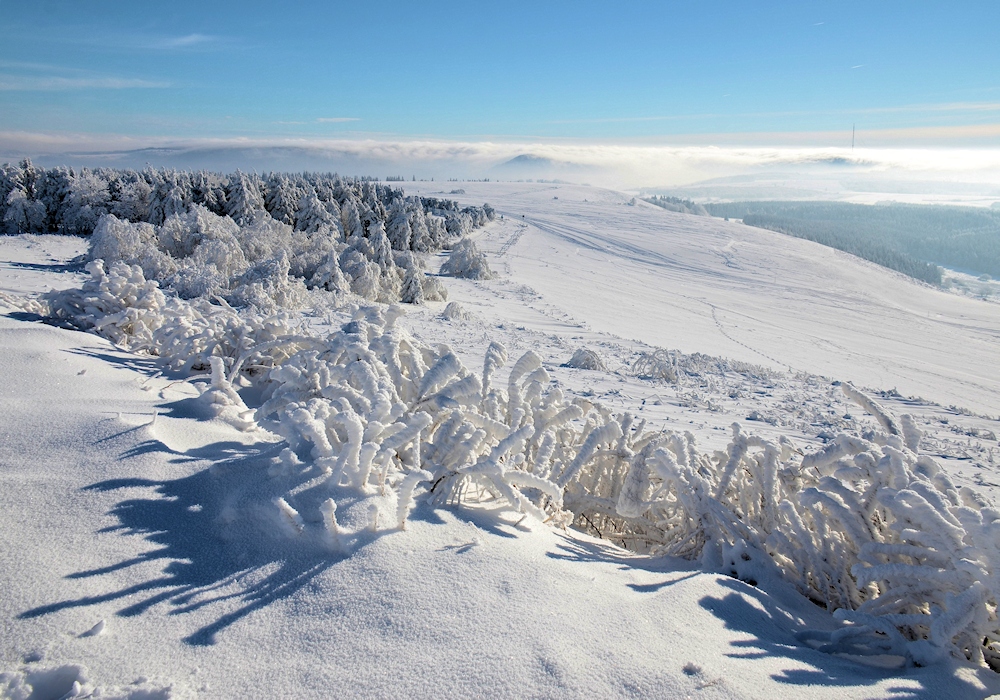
x,y
434,289
267,287
585,358
467,261
115,240
456,312
659,364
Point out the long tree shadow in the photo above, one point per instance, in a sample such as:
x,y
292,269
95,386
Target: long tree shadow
x,y
772,630
77,264
223,540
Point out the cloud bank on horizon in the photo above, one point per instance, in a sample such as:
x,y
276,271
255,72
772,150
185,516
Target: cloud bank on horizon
x,y
615,165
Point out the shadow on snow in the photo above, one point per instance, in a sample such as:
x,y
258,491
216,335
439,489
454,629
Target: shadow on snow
x,y
220,534
768,630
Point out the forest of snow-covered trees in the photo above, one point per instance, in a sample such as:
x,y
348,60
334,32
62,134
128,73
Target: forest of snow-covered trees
x,y
910,238
683,206
243,238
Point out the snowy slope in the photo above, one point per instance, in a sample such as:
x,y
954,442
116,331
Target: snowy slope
x,y
157,526
722,288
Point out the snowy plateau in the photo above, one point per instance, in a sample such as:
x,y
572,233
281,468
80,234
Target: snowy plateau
x,y
532,489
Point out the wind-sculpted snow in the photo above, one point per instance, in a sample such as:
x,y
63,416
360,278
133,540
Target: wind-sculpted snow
x,y
867,526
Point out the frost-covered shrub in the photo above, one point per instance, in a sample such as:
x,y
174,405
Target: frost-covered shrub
x,y
132,243
467,261
585,358
659,364
865,526
456,312
119,304
434,289
267,287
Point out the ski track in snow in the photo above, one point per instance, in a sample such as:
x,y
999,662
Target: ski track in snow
x,y
467,603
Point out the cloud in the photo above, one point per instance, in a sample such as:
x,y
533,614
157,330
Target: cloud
x,y
957,107
618,165
139,41
188,40
336,120
54,82
27,76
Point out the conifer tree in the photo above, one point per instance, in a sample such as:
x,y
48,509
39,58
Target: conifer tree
x,y
243,198
398,228
413,287
351,219
312,216
381,249
282,198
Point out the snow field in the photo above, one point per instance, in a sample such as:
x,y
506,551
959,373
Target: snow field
x,y
698,284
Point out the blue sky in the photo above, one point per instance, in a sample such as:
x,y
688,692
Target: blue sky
x,y
660,72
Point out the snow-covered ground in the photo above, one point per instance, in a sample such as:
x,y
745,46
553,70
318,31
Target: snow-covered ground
x,y
133,566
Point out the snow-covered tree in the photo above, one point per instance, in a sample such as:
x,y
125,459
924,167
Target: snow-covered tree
x,y
282,198
412,291
381,253
129,195
87,202
244,200
330,277
398,226
170,196
23,215
466,260
420,237
53,189
207,191
312,216
351,218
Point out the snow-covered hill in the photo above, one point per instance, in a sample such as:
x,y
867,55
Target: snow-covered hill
x,y
704,285
141,557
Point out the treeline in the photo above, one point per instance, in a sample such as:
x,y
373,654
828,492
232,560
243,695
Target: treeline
x,y
245,239
72,201
911,238
684,206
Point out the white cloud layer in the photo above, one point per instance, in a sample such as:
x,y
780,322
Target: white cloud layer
x,y
621,165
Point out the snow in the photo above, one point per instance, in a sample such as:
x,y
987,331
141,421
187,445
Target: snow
x,y
143,547
722,288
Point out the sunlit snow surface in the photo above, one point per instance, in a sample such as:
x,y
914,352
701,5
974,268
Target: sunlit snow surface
x,y
122,502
